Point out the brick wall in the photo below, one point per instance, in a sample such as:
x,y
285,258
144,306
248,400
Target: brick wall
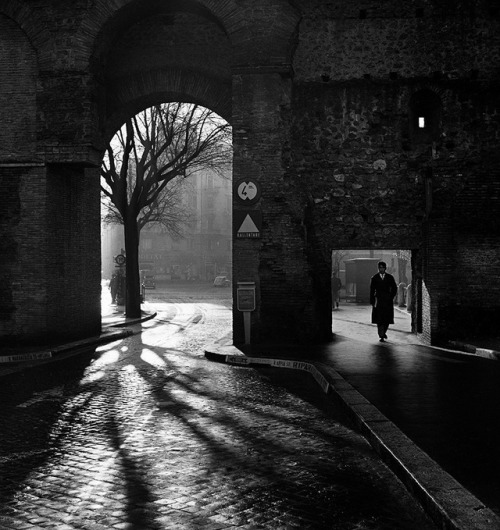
x,y
51,265
277,262
29,282
323,98
10,213
73,251
17,94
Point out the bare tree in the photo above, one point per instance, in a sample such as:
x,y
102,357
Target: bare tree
x,y
168,212
144,163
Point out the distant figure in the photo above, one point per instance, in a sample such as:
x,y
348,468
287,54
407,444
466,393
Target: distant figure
x,y
113,287
383,289
336,286
409,306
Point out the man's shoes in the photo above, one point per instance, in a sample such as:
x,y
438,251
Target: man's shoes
x,y
382,339
385,336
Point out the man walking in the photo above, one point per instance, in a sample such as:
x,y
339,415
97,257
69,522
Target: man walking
x,y
383,289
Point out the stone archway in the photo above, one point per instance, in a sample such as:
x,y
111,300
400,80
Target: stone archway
x,y
236,62
164,56
100,64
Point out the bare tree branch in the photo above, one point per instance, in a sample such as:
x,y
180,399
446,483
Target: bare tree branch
x,y
145,166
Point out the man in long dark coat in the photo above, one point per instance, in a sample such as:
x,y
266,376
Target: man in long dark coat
x,y
383,289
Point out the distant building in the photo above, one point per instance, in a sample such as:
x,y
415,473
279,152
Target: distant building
x,y
112,242
202,253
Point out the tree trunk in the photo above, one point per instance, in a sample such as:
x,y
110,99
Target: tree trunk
x,y
133,297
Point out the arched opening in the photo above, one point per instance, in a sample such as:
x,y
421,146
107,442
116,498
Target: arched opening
x,y
175,160
352,271
212,56
148,54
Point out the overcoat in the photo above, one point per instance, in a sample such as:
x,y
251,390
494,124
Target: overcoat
x,y
382,293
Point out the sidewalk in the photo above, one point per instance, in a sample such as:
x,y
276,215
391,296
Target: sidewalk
x,y
114,326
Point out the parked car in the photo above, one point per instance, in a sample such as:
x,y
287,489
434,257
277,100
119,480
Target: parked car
x,y
222,281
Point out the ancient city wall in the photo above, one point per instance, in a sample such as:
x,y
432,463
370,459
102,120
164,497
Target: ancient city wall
x,y
371,178
324,98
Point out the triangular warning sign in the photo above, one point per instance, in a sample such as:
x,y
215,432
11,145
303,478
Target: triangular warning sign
x,y
248,226
247,223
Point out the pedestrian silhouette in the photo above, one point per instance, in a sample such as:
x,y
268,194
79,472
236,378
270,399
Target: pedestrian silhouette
x,y
383,289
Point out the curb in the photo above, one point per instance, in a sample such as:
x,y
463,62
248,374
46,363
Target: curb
x,y
57,353
474,350
446,501
119,323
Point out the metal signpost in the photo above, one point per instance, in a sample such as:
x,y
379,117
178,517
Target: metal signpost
x,y
121,293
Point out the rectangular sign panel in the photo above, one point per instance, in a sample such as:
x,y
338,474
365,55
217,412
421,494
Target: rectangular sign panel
x,y
247,223
246,299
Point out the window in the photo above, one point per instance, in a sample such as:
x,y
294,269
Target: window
x,y
425,117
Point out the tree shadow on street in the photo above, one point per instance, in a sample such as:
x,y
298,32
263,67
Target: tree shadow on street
x,y
160,437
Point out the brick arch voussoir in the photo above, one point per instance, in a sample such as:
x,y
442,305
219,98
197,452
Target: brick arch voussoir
x,y
281,16
441,92
231,14
134,94
273,28
23,15
261,32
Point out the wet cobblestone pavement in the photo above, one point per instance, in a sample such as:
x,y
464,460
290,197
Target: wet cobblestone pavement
x,y
146,433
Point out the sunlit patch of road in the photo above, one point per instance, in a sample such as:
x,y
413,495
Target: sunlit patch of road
x,y
146,433
180,317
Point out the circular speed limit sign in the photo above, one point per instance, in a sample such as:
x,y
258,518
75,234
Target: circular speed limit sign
x,y
247,191
120,259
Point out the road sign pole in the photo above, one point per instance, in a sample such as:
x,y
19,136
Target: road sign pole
x,y
246,324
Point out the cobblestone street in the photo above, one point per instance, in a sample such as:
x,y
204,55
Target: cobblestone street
x,y
145,433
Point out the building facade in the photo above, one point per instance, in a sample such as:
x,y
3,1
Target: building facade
x,y
205,248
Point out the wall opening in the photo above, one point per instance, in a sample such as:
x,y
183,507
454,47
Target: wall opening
x,y
352,270
179,186
425,117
